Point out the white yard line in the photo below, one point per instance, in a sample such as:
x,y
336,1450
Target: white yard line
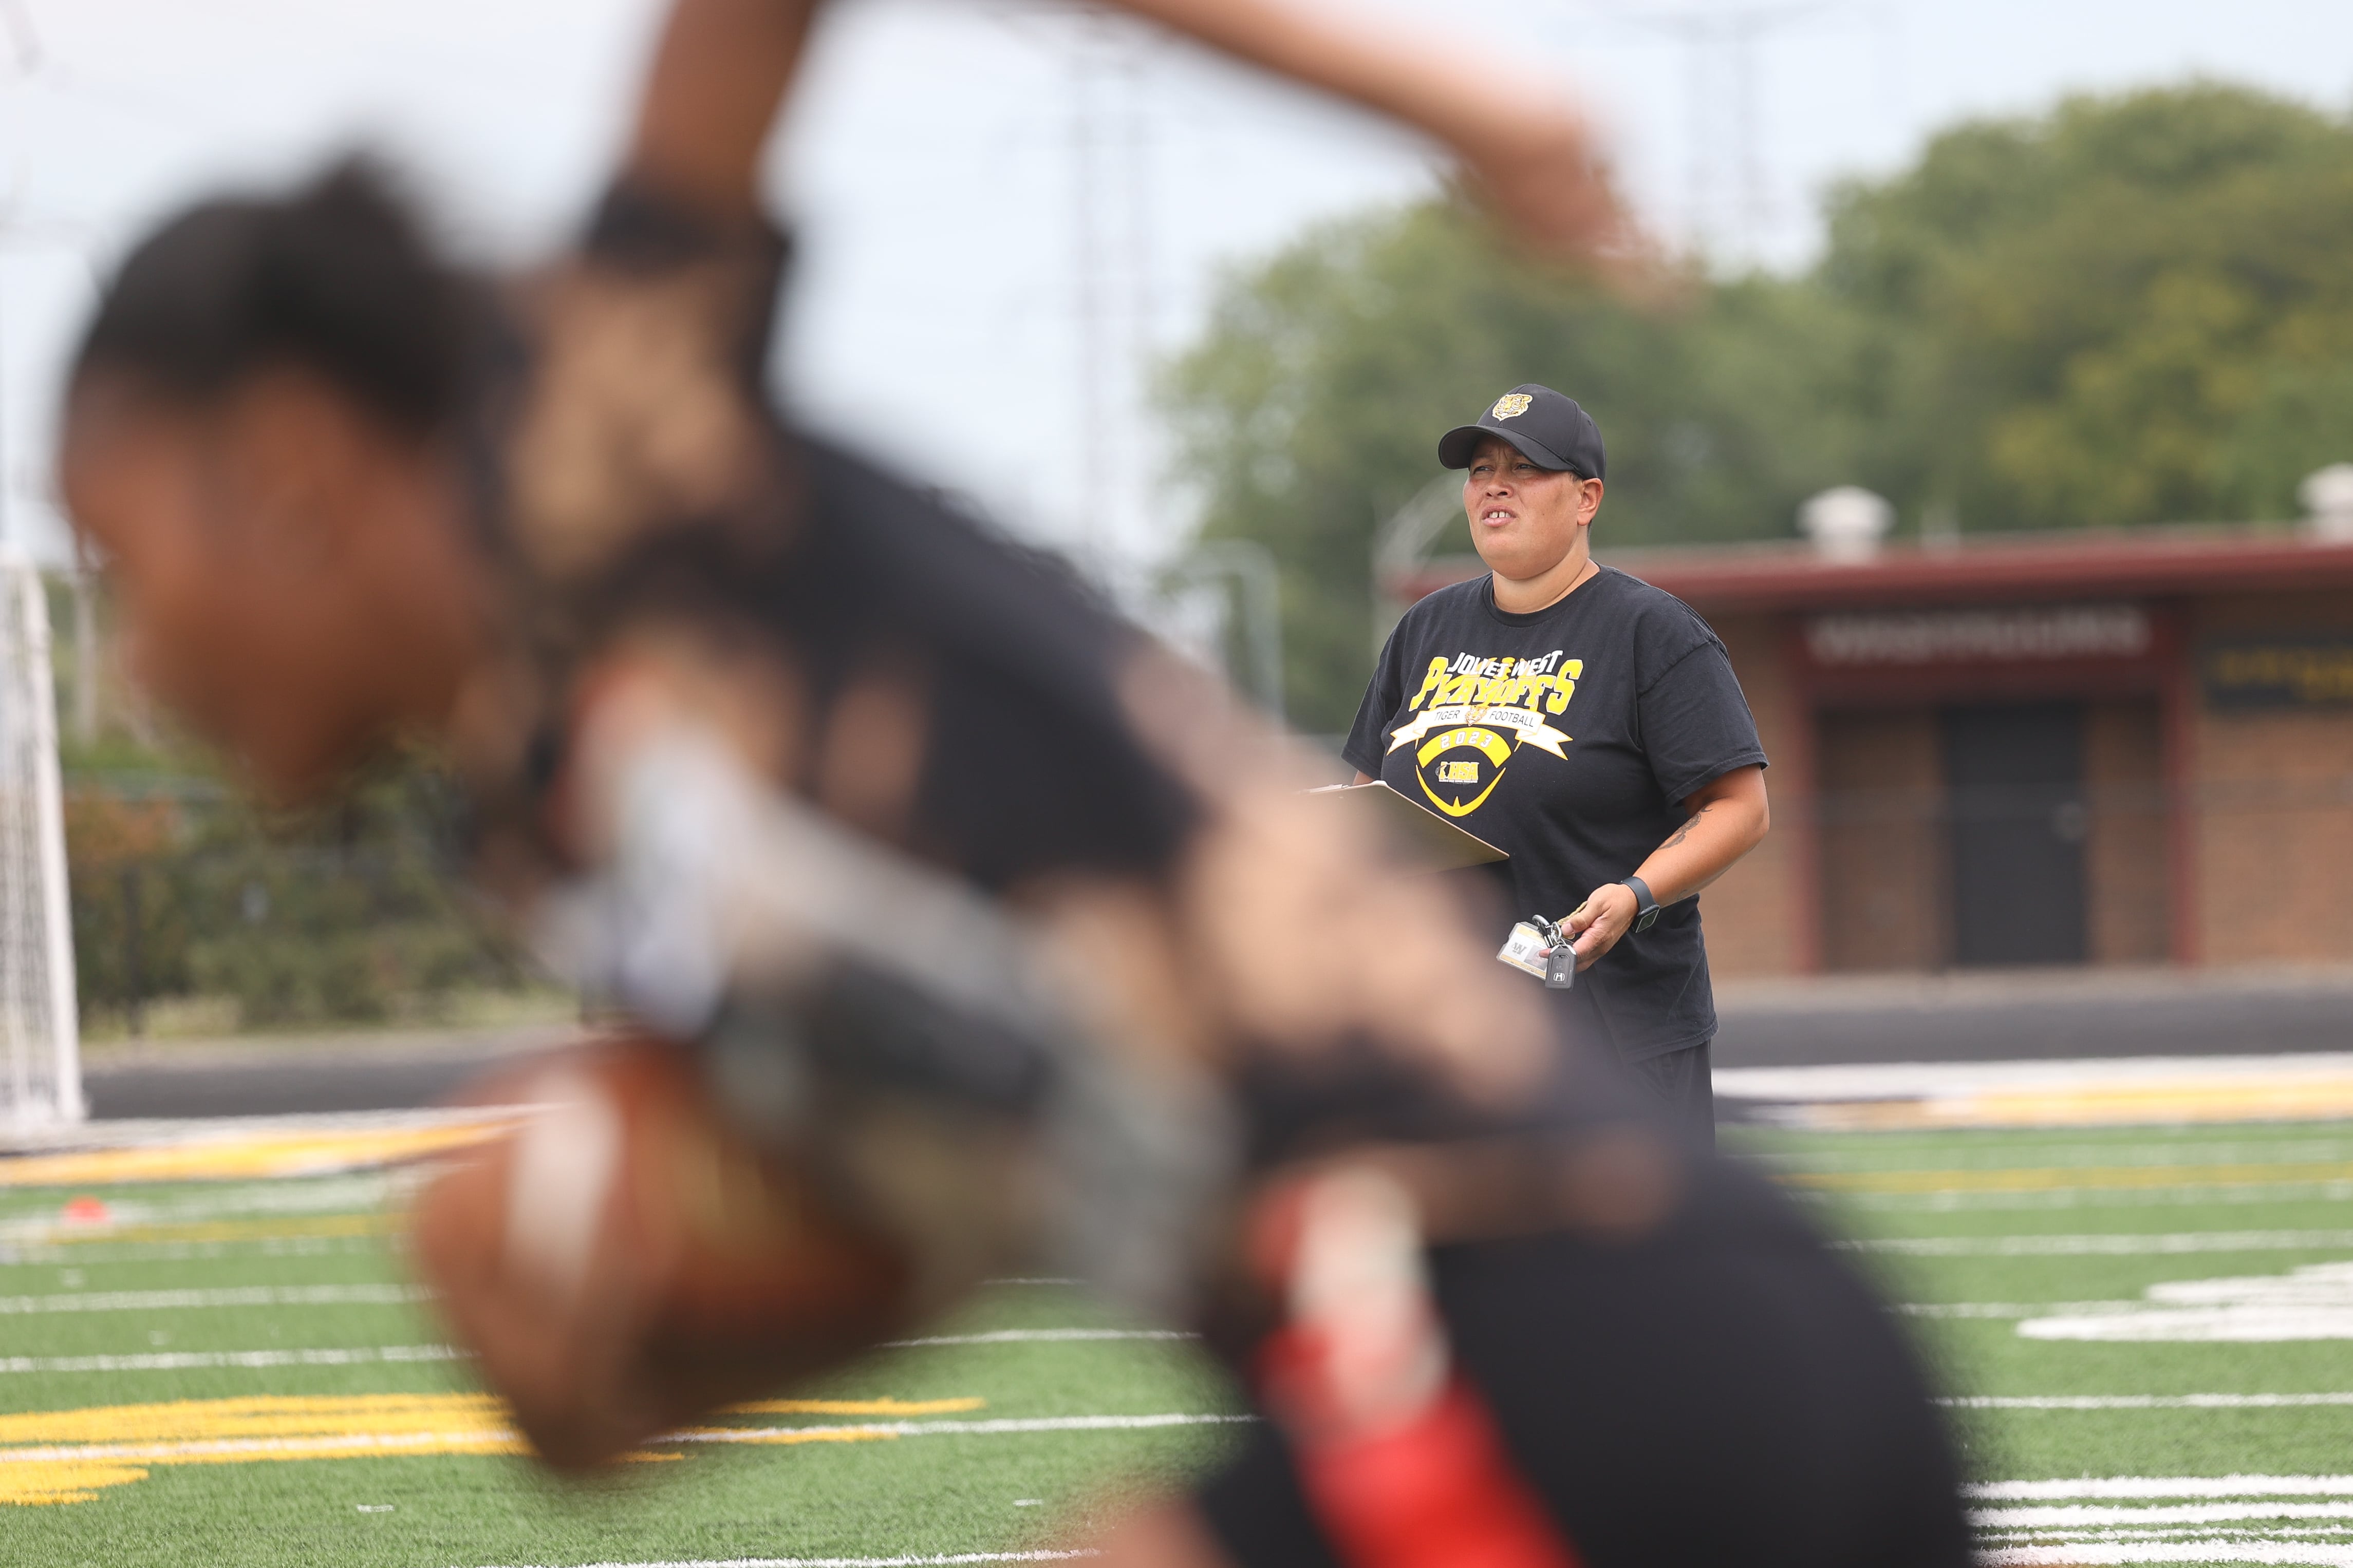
x,y
236,1296
189,1360
941,1562
2144,1401
2101,1246
355,1192
2006,1310
73,1254
2079,1516
2127,1486
1004,1427
1044,1336
2219,1549
2327,1534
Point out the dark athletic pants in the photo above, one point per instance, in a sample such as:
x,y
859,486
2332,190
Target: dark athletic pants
x,y
1685,1080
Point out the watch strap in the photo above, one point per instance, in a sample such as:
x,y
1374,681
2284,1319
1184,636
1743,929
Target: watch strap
x,y
1646,908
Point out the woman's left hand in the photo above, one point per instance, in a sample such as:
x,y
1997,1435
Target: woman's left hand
x,y
1601,921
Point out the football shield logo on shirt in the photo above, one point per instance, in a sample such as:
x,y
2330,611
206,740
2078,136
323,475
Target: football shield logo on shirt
x,y
1473,703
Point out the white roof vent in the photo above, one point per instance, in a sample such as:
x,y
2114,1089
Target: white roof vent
x,y
1846,524
2327,497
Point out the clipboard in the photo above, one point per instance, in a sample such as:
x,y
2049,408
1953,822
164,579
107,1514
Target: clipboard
x,y
1443,845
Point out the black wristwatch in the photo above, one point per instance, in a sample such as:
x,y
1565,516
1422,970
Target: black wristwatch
x,y
1646,908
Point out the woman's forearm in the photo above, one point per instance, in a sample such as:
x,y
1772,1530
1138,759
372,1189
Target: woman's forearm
x,y
1728,818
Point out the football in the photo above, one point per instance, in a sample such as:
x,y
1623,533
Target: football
x,y
624,1259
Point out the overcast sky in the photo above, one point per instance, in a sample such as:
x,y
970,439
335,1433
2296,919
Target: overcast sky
x,y
931,168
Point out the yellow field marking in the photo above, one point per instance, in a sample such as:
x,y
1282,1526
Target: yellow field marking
x,y
855,1406
2285,1099
69,1456
265,1157
260,1416
61,1483
2027,1179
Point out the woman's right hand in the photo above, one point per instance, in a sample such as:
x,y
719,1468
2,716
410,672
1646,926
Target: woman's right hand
x,y
1598,924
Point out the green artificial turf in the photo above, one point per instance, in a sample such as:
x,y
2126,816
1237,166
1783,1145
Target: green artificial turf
x,y
1000,1492
917,1495
2199,1185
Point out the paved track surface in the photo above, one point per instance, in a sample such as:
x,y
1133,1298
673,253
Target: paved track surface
x,y
2034,1017
392,1073
1981,1017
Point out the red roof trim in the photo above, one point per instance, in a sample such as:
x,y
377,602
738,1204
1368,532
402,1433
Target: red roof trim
x,y
2046,566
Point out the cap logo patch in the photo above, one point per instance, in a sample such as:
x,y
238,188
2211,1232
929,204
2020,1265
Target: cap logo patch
x,y
1511,405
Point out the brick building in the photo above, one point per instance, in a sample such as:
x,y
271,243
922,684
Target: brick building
x,y
2088,748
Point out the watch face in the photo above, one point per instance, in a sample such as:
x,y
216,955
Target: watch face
x,y
1647,918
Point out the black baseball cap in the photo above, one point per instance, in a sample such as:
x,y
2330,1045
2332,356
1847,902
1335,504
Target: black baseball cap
x,y
1550,430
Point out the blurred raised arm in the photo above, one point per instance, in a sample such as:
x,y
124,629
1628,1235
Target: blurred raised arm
x,y
1526,149
722,69
720,74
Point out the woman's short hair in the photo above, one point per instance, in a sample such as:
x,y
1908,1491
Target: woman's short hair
x,y
337,277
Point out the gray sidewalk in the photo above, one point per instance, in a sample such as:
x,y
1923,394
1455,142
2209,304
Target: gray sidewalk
x,y
2033,1015
2018,1015
301,1074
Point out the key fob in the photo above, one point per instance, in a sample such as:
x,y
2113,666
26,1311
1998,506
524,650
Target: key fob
x,y
1560,966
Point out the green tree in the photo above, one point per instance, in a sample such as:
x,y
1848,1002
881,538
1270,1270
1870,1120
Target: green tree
x,y
2130,310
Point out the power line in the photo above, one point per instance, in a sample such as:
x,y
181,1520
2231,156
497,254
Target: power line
x,y
1725,162
1728,200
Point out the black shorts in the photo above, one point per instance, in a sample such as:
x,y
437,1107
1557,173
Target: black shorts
x,y
1722,1391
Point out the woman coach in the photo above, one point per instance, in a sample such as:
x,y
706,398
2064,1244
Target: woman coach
x,y
1584,722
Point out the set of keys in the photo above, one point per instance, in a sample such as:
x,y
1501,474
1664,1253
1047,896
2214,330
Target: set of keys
x,y
1544,948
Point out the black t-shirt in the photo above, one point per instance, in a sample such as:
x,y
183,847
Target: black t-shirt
x,y
1567,738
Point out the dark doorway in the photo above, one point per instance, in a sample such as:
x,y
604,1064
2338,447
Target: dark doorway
x,y
2014,784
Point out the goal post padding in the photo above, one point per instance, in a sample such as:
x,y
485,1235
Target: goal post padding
x,y
40,1035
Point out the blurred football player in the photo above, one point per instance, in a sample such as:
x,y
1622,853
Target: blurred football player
x,y
965,928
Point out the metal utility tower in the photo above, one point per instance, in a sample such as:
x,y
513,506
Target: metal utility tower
x,y
1113,271
1728,193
